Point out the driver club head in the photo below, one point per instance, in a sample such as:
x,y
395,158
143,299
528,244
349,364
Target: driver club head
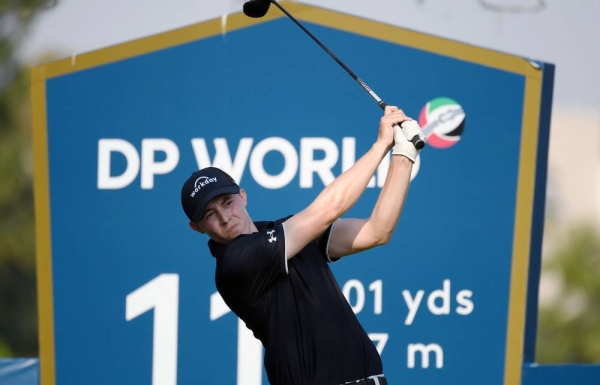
x,y
256,8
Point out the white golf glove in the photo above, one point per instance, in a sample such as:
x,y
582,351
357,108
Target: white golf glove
x,y
402,146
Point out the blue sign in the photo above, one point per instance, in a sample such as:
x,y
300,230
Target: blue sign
x,y
127,291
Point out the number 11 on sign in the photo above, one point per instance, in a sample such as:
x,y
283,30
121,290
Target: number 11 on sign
x,y
162,295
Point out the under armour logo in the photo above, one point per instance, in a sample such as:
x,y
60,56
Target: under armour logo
x,y
272,238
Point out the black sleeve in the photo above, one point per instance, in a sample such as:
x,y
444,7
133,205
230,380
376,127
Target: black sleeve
x,y
254,262
322,241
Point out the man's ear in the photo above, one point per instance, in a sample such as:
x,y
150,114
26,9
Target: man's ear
x,y
244,196
194,226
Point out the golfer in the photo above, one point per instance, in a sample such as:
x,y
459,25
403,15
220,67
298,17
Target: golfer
x,y
275,276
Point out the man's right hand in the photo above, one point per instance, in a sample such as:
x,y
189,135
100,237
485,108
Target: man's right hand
x,y
392,115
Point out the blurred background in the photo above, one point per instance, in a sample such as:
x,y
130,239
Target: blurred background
x,y
564,33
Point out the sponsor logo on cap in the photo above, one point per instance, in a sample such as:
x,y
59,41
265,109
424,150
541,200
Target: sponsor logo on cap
x,y
201,182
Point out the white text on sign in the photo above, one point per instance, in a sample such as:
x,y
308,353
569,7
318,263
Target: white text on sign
x,y
311,158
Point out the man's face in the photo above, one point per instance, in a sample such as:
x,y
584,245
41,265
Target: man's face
x,y
225,217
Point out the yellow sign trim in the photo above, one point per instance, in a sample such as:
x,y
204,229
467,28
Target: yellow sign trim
x,y
522,231
42,226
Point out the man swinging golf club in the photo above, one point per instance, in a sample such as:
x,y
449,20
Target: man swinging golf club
x,y
274,275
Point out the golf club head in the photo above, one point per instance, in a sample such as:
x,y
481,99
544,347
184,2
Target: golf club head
x,y
256,8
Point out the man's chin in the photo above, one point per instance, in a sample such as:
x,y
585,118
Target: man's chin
x,y
233,232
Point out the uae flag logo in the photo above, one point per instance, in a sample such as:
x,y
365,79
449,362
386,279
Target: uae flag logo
x,y
442,121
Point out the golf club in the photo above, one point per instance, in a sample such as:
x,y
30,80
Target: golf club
x,y
259,8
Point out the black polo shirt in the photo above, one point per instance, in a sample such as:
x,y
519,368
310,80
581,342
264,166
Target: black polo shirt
x,y
295,308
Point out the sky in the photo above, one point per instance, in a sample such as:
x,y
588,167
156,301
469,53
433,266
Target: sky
x,y
556,31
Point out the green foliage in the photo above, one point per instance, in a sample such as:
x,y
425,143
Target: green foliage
x,y
569,328
23,6
18,326
5,350
18,307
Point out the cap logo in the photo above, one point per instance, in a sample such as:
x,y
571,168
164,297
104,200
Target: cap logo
x,y
201,182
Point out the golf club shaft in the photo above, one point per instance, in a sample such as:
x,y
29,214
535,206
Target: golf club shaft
x,y
417,141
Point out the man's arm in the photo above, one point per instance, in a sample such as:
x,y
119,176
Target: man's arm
x,y
343,192
350,236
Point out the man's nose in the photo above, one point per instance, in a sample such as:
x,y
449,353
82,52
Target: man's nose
x,y
223,216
